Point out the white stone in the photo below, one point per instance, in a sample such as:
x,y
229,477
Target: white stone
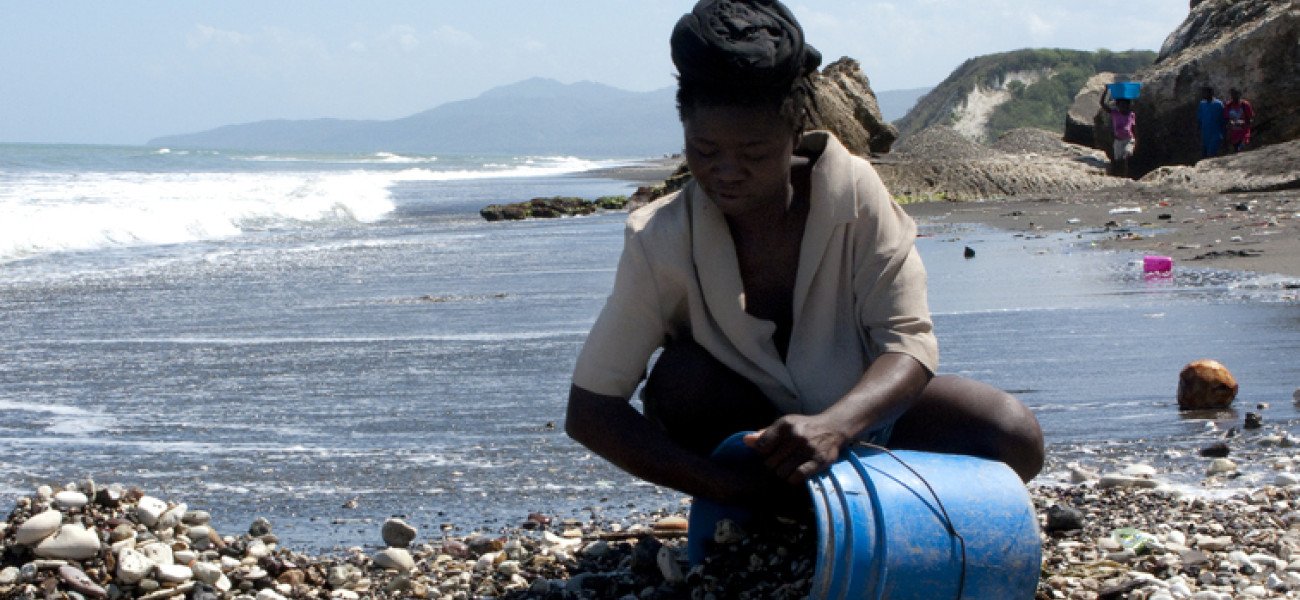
x,y
174,573
486,562
1254,591
132,566
67,499
1213,544
1274,583
1139,470
1285,480
70,542
1081,475
1267,562
269,594
184,557
1220,466
38,527
1117,480
509,568
9,575
669,567
199,537
395,558
44,493
206,572
117,547
148,509
1176,537
158,553
257,549
222,583
171,517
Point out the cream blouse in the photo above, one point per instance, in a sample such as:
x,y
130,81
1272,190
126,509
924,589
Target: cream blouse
x,y
859,291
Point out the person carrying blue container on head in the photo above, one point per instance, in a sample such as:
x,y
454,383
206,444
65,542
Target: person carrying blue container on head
x,y
785,291
1210,122
1122,120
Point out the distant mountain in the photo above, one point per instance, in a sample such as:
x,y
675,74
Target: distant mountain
x,y
535,116
990,95
894,104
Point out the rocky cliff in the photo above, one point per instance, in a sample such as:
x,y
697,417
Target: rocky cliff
x,y
993,94
1253,45
940,163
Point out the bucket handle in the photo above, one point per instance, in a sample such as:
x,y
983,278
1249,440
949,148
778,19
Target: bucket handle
x,y
961,582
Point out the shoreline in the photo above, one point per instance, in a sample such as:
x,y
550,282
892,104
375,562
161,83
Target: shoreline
x,y
1258,232
646,172
1255,232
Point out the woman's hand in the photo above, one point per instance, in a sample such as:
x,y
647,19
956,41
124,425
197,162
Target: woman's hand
x,y
796,447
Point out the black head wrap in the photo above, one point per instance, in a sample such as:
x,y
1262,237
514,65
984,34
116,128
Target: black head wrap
x,y
741,43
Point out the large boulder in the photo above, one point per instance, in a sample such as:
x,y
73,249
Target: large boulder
x,y
1081,118
843,102
1252,45
1271,168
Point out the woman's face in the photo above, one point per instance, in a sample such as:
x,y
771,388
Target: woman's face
x,y
740,156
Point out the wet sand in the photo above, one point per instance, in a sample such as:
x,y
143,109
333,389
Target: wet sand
x,y
1258,232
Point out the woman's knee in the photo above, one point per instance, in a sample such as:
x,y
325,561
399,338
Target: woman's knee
x,y
699,401
964,416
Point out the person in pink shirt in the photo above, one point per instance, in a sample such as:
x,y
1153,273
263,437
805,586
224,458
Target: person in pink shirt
x,y
1122,120
1238,113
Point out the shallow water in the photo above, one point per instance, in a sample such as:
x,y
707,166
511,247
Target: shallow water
x,y
419,363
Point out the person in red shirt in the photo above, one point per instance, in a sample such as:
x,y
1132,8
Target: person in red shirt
x,y
1239,114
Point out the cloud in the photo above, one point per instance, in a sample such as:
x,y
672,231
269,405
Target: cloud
x,y
450,36
1039,29
402,37
203,35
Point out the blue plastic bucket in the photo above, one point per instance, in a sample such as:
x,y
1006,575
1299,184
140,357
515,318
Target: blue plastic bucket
x,y
1125,90
908,525
965,528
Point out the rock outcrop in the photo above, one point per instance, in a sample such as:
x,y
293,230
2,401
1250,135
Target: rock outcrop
x,y
1252,45
844,103
549,208
1267,169
941,163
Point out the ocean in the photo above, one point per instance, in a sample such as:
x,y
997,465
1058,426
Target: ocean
x,y
282,335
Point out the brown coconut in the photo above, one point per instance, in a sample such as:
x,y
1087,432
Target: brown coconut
x,y
1205,384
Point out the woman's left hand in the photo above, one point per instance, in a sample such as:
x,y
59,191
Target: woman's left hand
x,y
796,447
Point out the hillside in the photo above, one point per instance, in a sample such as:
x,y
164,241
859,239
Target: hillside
x,y
991,95
535,116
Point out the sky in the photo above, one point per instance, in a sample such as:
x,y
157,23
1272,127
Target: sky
x,y
124,72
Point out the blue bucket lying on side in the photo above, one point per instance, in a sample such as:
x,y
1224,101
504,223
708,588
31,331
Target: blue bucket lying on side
x,y
908,525
884,533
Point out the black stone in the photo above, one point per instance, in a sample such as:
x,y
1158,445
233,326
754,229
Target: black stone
x,y
1063,518
1219,450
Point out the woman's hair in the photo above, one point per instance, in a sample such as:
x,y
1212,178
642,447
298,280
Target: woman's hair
x,y
748,53
789,103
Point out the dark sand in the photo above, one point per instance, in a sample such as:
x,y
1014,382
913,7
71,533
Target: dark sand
x,y
1241,232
